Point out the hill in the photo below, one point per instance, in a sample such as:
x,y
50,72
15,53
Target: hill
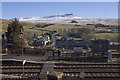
x,y
60,28
67,18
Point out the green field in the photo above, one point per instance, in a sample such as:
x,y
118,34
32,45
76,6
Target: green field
x,y
102,29
108,36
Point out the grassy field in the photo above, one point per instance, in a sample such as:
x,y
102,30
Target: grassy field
x,y
4,24
28,27
108,36
77,38
102,29
64,26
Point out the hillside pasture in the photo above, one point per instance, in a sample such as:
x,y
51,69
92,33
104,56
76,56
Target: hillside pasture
x,y
108,36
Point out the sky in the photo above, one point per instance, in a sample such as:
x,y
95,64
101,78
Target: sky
x,y
60,0
42,9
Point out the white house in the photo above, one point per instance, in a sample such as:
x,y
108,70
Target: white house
x,y
41,41
46,39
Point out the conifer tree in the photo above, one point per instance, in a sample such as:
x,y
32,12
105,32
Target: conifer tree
x,y
12,33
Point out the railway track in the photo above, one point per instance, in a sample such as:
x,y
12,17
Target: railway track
x,y
91,70
13,69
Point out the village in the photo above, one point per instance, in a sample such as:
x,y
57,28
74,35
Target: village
x,y
59,40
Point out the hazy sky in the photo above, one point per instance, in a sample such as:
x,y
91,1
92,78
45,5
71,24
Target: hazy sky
x,y
41,9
